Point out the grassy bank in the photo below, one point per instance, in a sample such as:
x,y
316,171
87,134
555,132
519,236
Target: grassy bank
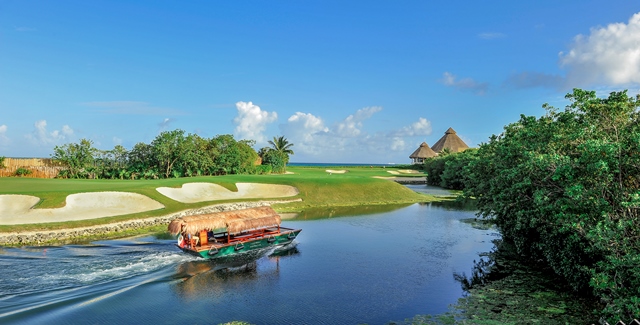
x,y
317,189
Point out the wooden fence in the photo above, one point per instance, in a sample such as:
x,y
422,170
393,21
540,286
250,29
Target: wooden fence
x,y
39,167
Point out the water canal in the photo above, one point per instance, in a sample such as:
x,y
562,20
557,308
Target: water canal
x,y
370,267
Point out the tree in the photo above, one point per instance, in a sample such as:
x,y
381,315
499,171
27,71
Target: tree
x,y
76,157
564,188
282,145
233,157
168,147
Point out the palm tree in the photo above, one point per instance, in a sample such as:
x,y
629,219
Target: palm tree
x,y
282,145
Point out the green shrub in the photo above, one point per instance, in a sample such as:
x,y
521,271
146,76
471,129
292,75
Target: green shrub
x,y
22,172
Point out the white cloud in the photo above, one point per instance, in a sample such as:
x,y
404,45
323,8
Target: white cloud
x,y
4,140
165,124
306,131
347,139
351,126
40,135
465,84
490,36
252,121
608,55
398,144
421,127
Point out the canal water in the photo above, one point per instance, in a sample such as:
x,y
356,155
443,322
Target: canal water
x,y
346,267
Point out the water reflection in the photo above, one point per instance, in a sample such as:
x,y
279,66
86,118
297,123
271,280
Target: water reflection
x,y
213,278
332,212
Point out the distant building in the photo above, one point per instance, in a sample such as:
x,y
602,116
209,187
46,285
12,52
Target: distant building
x,y
450,141
422,153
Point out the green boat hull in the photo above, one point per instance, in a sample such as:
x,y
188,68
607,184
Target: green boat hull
x,y
240,247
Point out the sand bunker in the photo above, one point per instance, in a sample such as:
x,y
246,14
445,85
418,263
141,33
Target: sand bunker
x,y
408,171
17,209
331,171
393,172
201,192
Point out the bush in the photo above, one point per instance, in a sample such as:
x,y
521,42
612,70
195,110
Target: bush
x,y
263,169
22,172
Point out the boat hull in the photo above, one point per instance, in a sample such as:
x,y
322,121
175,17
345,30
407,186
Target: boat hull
x,y
215,251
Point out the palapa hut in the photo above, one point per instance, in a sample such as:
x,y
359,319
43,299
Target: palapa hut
x,y
422,153
234,221
450,141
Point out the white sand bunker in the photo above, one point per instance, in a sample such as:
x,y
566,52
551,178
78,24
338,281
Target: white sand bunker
x,y
331,171
17,209
408,171
201,192
393,172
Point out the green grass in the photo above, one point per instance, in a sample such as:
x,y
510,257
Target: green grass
x,y
317,189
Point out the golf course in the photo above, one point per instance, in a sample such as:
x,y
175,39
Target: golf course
x,y
45,205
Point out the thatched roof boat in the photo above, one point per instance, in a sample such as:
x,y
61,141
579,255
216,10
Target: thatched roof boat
x,y
230,232
235,221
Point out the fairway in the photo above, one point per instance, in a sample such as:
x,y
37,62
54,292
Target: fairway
x,y
315,187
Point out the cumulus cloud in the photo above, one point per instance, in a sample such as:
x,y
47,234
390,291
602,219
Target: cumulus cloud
x,y
464,84
490,36
398,144
252,121
4,140
40,135
609,54
352,125
421,127
348,139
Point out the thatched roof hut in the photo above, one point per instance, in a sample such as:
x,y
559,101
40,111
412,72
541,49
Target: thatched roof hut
x,y
450,141
235,221
423,152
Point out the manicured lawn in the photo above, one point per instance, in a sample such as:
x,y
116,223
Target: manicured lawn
x,y
317,189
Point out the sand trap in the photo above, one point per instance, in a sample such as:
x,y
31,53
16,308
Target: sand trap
x,y
408,171
393,172
331,171
17,209
201,192
289,173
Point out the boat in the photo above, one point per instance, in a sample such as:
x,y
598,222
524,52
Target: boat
x,y
231,232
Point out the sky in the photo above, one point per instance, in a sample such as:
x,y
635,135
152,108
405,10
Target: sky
x,y
344,81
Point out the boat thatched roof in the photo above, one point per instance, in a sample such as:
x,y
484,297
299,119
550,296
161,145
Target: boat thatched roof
x,y
235,221
450,141
423,152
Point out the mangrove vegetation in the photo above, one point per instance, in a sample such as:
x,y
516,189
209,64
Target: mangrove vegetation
x,y
564,190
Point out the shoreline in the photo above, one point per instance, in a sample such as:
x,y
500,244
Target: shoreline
x,y
60,236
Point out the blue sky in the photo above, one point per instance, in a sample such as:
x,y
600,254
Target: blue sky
x,y
352,82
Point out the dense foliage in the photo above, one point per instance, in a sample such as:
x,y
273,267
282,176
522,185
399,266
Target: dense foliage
x,y
277,156
450,170
171,154
564,188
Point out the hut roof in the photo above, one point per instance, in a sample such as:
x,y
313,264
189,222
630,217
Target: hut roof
x,y
235,221
423,152
450,141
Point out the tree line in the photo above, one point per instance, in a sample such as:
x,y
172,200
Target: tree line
x,y
564,188
172,154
